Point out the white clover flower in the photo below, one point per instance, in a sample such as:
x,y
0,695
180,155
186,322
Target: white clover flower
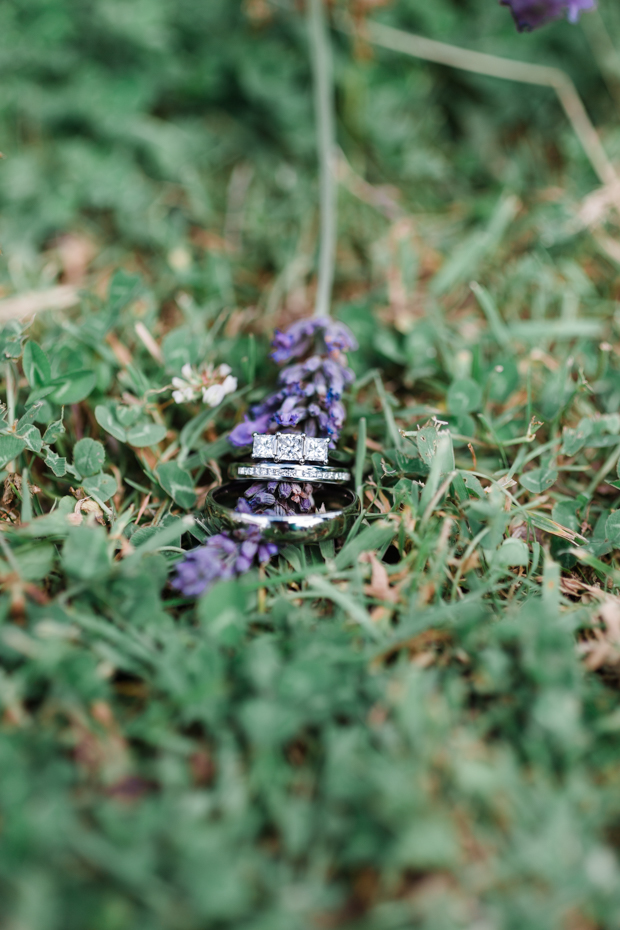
x,y
214,395
185,391
212,384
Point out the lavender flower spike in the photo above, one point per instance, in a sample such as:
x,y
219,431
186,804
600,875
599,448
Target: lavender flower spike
x,y
311,388
530,14
223,556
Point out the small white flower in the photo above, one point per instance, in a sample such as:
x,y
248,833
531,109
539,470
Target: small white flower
x,y
212,384
214,395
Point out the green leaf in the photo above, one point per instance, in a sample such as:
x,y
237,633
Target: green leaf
x,y
56,462
177,483
167,533
146,434
124,287
464,396
222,604
36,366
26,514
612,529
85,555
539,479
573,440
53,431
88,457
511,554
32,437
127,416
101,485
11,338
10,447
73,387
179,347
107,421
426,441
369,540
29,417
34,562
472,483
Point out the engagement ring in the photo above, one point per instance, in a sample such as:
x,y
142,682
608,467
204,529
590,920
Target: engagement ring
x,y
291,448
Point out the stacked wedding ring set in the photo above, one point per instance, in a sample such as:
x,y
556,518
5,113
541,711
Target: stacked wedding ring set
x,y
289,448
288,458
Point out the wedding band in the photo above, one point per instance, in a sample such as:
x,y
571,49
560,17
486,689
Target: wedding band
x,y
342,506
274,471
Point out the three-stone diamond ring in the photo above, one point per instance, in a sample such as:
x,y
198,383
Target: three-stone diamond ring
x,y
285,457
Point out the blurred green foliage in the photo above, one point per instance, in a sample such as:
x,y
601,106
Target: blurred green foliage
x,y
129,116
417,727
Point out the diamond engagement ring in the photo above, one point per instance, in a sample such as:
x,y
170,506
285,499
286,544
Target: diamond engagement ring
x,y
290,447
289,454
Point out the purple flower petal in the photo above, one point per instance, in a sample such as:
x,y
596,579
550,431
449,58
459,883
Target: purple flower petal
x,y
262,499
222,557
530,14
248,549
241,435
338,337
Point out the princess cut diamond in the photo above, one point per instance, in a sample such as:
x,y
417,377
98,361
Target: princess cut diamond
x,y
316,450
264,447
290,447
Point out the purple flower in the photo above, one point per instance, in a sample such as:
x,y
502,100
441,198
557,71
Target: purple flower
x,y
241,435
338,337
204,566
222,557
295,341
530,14
311,388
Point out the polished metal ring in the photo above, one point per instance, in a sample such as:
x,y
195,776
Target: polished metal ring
x,y
341,507
274,471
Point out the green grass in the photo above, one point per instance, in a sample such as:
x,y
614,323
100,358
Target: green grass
x,y
417,726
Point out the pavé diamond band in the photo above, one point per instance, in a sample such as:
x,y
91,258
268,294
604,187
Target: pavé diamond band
x,y
274,471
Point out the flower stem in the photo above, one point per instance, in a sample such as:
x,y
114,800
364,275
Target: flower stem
x,y
508,70
321,55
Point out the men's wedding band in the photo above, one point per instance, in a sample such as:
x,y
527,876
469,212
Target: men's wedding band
x,y
340,508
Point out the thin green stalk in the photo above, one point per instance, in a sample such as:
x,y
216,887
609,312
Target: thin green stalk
x,y
10,393
321,55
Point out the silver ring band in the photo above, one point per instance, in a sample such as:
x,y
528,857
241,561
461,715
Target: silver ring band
x,y
342,506
274,471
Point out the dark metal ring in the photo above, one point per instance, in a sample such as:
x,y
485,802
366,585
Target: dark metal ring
x,y
342,506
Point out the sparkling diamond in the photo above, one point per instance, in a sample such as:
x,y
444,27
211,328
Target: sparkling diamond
x,y
316,450
264,447
290,447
